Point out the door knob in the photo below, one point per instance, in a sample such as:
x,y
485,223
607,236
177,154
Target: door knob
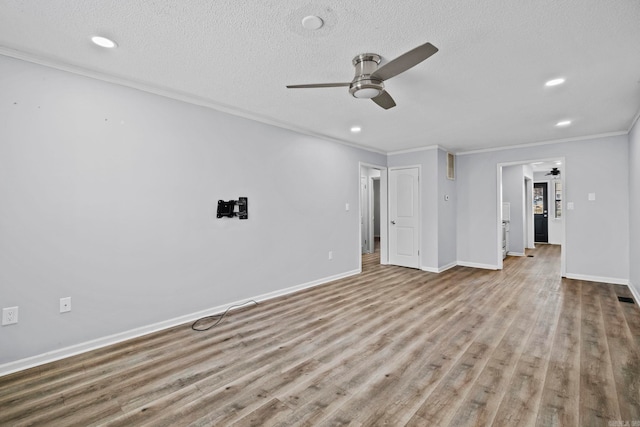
x,y
393,222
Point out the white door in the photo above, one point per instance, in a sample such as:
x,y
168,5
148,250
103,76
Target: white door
x,y
404,217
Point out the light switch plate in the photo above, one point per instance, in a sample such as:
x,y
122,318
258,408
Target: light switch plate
x,y
65,304
592,197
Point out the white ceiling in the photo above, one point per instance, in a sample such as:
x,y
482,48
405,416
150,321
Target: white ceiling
x,y
546,166
484,88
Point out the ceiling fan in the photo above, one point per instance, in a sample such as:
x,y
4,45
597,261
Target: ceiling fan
x,y
554,172
368,81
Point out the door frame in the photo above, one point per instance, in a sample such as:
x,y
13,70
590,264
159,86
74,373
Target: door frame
x,y
365,212
529,231
368,208
563,240
384,230
419,167
372,193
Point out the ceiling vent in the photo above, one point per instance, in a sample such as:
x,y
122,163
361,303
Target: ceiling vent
x,y
451,166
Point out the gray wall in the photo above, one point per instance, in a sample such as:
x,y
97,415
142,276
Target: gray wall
x,y
634,207
438,227
108,195
428,160
597,233
447,254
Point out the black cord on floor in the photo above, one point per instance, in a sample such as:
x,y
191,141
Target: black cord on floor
x,y
193,326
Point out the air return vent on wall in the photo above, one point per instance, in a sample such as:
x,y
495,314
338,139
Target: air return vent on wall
x,y
451,166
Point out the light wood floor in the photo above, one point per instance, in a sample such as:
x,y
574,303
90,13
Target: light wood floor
x,y
391,346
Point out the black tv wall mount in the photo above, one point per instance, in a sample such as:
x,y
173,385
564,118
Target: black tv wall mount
x,y
228,209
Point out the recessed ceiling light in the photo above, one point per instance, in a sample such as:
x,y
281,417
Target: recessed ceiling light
x,y
563,123
537,163
356,129
558,163
104,42
555,82
312,22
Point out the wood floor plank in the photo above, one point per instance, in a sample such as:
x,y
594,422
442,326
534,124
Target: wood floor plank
x,y
385,379
390,346
560,398
273,358
598,399
624,355
481,403
522,396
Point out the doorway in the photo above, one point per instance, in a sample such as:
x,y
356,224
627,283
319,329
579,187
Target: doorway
x,y
540,212
369,208
533,171
373,233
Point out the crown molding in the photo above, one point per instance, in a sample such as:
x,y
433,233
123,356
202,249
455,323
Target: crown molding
x,y
415,150
535,144
175,95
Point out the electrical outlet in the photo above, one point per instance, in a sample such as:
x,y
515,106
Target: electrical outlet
x,y
65,304
330,255
9,316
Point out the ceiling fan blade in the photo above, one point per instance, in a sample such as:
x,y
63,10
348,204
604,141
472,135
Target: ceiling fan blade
x,y
384,100
404,62
318,85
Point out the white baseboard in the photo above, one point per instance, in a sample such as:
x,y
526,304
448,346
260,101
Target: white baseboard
x,y
588,278
477,265
52,356
439,269
636,295
447,266
516,254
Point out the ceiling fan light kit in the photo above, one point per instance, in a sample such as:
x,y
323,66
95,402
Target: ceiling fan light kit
x,y
368,80
363,86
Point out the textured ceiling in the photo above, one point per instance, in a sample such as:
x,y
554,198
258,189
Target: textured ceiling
x,y
484,88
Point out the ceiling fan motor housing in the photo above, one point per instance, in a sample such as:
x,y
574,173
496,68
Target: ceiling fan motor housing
x,y
362,85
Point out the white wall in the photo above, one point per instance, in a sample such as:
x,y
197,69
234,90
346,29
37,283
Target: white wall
x,y
108,196
597,233
634,208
